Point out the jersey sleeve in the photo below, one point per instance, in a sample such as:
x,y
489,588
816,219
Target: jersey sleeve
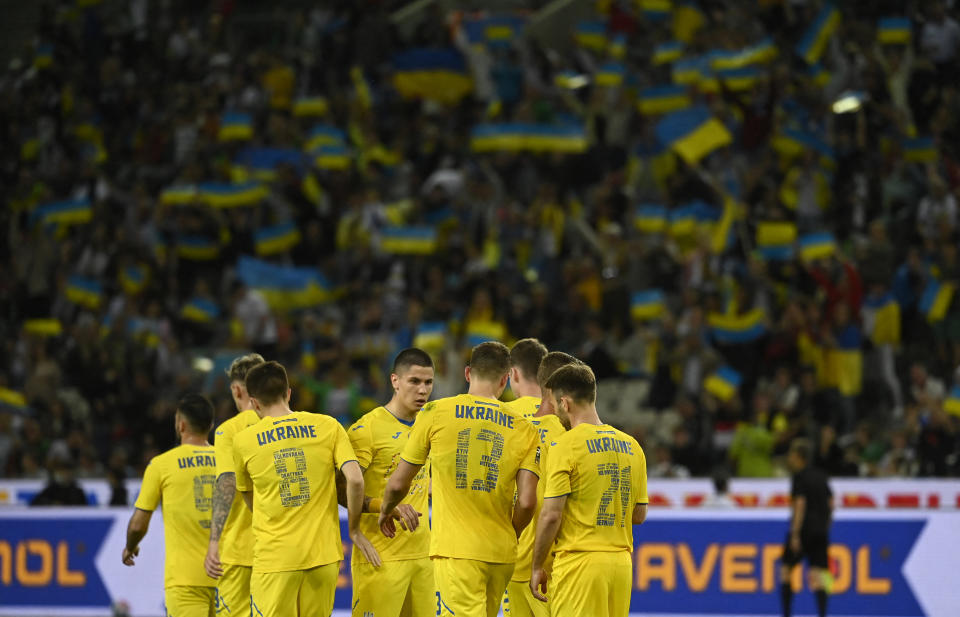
x,y
361,438
150,491
223,449
641,477
558,471
342,450
418,443
244,482
531,457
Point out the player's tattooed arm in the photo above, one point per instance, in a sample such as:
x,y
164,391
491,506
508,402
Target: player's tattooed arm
x,y
223,495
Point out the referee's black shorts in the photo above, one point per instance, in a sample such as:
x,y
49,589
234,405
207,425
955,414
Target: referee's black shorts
x,y
813,547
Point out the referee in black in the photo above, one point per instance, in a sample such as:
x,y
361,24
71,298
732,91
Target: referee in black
x,y
812,509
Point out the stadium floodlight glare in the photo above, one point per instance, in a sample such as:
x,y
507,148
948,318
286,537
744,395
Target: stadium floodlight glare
x,y
849,102
202,364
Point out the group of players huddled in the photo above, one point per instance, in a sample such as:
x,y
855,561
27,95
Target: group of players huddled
x,y
533,500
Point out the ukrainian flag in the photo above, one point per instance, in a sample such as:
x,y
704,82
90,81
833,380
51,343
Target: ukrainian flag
x,y
197,248
683,221
332,157
689,71
610,74
647,305
502,30
687,20
431,335
791,143
44,57
663,99
438,74
722,234
885,319
84,291
818,74
817,246
12,401
325,135
178,195
735,329
310,106
232,195
844,363
200,310
285,288
776,239
738,80
483,331
261,163
592,35
666,53
952,404
656,10
894,31
408,240
692,133
618,47
134,278
651,219
936,300
235,126
920,150
515,137
361,88
43,327
277,239
818,34
761,53
68,212
724,383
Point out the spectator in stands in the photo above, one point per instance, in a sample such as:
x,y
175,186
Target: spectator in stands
x,y
62,488
720,499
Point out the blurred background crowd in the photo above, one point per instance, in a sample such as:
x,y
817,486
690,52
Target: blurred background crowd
x,y
742,215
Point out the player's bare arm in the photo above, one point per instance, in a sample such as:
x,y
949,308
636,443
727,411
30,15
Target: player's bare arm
x,y
407,515
136,530
223,494
548,525
353,476
639,513
526,503
397,488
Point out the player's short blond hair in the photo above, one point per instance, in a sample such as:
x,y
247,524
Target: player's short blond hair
x,y
241,366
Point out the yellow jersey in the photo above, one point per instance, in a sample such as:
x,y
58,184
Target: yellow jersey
x,y
182,478
290,464
548,429
603,473
236,542
476,447
377,439
526,406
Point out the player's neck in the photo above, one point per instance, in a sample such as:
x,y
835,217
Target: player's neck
x,y
398,411
584,415
523,389
275,411
189,439
484,389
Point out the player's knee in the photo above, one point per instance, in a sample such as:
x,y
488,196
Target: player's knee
x,y
785,572
815,579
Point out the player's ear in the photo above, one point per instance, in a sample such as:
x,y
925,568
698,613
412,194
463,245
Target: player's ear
x,y
289,392
504,380
395,381
466,373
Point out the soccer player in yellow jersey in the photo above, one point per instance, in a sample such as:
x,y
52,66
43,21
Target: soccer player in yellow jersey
x,y
377,439
596,491
481,454
525,357
231,519
518,601
182,479
286,468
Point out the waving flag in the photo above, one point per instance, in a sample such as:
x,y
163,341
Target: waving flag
x,y
85,291
200,310
483,331
332,157
936,299
882,316
618,47
592,35
12,401
179,195
687,20
515,137
43,327
285,288
920,150
818,34
651,219
197,248
232,195
325,135
261,163
894,31
133,279
952,404
775,240
738,80
431,335
690,71
43,59
666,53
734,329
817,246
68,212
724,383
663,99
310,106
647,305
438,74
610,74
277,239
408,240
692,133
656,10
235,126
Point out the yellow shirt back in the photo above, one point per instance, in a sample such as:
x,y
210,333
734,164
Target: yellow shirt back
x,y
476,448
548,428
526,406
182,478
377,439
603,473
236,542
290,464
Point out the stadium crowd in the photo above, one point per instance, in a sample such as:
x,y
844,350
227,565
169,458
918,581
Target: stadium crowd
x,y
119,297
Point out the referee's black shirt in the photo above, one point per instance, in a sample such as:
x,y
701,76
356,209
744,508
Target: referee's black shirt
x,y
811,483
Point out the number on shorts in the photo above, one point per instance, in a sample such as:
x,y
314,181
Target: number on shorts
x,y
619,481
294,485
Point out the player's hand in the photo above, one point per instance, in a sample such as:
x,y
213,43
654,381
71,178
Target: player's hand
x,y
386,523
211,563
128,555
538,584
795,542
361,543
408,516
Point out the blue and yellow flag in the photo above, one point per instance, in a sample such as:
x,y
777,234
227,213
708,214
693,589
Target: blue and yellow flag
x,y
668,52
818,245
692,133
197,248
12,401
690,71
310,106
516,137
761,53
818,74
647,305
618,47
791,143
431,335
844,362
894,31
68,212
86,292
325,135
651,219
592,35
43,58
663,100
882,314
437,74
277,239
502,30
738,80
134,279
936,299
235,126
610,74
482,331
776,239
43,327
179,194
262,163
408,240
736,329
818,34
724,383
200,310
335,158
285,288
687,20
952,404
232,194
920,150
656,10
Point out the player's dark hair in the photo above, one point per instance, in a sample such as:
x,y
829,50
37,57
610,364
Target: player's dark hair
x,y
268,383
574,380
526,355
490,360
198,412
411,357
550,363
241,366
803,448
